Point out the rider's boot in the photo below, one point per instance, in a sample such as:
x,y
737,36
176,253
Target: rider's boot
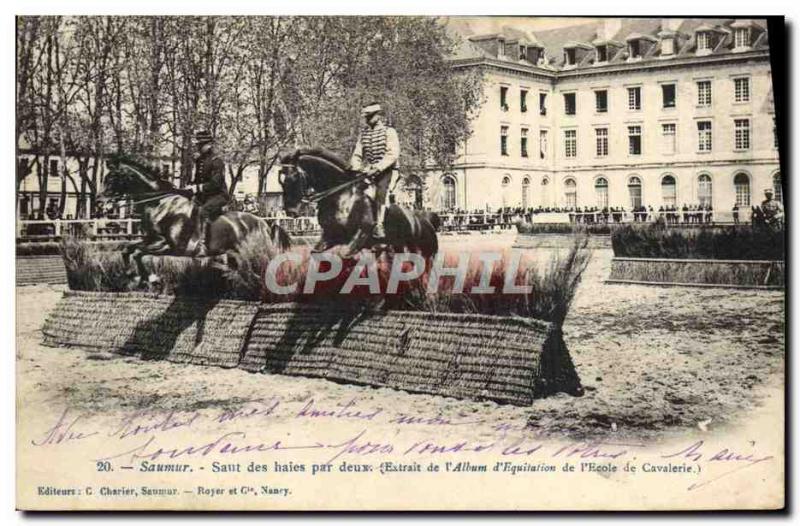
x,y
200,248
378,232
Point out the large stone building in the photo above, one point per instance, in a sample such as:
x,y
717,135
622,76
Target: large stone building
x,y
617,113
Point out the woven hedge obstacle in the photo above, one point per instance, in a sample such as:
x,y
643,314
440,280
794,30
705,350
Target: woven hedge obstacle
x,y
505,359
732,256
202,331
750,274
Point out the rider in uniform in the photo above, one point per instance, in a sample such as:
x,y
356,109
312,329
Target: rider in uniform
x,y
211,192
772,210
376,152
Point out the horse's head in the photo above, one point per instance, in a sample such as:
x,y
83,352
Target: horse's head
x,y
294,182
125,177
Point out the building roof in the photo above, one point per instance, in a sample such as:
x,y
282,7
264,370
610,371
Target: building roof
x,y
585,34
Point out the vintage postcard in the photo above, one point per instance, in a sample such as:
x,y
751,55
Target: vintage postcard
x,y
400,263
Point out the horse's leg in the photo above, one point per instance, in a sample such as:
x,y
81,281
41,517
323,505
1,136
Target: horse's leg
x,y
156,247
129,249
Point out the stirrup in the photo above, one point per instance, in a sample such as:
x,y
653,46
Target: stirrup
x,y
378,232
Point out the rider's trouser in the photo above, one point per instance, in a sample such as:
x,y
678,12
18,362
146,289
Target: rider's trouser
x,y
381,191
210,207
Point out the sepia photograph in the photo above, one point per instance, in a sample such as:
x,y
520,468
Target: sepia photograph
x,y
400,263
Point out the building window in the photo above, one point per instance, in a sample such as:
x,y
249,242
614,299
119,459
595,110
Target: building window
x,y
522,52
570,193
668,191
704,136
505,183
704,93
668,136
704,190
569,103
602,141
635,98
602,54
774,133
570,143
741,184
777,187
668,95
449,195
523,101
601,101
741,89
504,98
503,140
543,104
742,133
634,140
704,41
542,143
523,142
634,49
53,167
742,37
601,192
526,184
569,57
635,192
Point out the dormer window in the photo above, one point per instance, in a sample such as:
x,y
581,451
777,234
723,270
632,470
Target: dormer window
x,y
634,49
522,53
569,57
501,48
602,53
668,46
704,41
741,37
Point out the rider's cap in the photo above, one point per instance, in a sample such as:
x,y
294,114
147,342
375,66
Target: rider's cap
x,y
768,191
202,137
369,109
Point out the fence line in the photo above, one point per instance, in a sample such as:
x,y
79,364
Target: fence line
x,y
108,228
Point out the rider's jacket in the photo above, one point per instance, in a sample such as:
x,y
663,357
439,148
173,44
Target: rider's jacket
x,y
209,173
377,147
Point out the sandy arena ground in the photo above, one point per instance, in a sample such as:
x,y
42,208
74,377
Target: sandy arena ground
x,y
654,362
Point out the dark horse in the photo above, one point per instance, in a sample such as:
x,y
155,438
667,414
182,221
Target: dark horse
x,y
345,213
169,219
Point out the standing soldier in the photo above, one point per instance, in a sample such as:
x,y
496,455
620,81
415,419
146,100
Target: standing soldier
x,y
375,155
772,210
211,192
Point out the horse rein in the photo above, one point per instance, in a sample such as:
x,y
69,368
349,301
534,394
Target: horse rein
x,y
319,196
157,196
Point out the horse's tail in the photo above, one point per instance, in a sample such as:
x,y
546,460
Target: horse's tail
x,y
415,230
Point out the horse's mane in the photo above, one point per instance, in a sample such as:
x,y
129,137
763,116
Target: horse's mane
x,y
141,165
